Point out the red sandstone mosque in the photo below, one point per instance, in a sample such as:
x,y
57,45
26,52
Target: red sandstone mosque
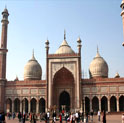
x,y
64,86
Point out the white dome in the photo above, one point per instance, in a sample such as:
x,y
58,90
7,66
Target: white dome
x,y
64,48
32,70
98,67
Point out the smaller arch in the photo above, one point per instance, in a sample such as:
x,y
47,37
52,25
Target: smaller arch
x,y
121,103
9,105
64,100
104,103
42,105
87,104
16,105
113,104
33,105
95,104
25,105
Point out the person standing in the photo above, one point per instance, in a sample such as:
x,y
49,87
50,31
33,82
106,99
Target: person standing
x,y
13,115
48,116
54,117
24,116
19,116
98,115
104,117
77,116
60,118
92,115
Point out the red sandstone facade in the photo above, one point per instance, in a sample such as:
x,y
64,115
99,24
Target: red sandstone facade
x,y
63,88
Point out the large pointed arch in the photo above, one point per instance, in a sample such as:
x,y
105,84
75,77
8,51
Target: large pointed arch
x,y
63,79
63,76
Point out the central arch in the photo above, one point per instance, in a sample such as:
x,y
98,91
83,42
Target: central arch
x,y
64,101
63,80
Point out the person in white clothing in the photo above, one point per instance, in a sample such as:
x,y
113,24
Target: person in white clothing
x,y
98,115
123,118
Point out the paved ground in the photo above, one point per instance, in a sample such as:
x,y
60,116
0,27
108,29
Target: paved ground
x,y
110,119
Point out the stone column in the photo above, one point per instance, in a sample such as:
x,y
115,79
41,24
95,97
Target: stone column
x,y
21,106
29,106
117,104
100,104
108,104
37,107
12,105
90,105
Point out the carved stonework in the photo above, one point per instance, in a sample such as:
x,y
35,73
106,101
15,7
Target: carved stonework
x,y
57,66
9,91
34,91
25,91
86,90
42,91
17,91
121,88
94,89
104,89
112,89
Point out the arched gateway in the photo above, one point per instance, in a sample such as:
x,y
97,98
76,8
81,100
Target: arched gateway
x,y
64,101
63,86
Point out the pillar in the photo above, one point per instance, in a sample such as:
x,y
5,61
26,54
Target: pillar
x,y
117,104
100,104
21,106
108,104
90,105
29,106
37,107
12,105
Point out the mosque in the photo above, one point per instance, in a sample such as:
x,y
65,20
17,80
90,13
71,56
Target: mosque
x,y
64,87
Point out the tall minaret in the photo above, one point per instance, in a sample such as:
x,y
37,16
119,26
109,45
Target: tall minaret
x,y
122,14
3,45
3,52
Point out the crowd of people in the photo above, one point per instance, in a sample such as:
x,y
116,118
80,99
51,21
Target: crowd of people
x,y
69,117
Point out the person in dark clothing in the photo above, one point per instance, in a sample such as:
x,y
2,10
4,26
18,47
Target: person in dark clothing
x,y
104,117
19,116
3,117
91,115
24,116
54,117
46,117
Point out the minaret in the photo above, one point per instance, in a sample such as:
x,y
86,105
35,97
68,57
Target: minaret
x,y
3,52
47,70
80,74
3,45
122,14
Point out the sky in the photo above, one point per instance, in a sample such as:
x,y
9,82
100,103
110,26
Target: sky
x,y
31,22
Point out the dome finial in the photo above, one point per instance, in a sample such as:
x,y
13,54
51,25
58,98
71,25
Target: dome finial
x,y
97,54
97,49
64,34
33,54
5,6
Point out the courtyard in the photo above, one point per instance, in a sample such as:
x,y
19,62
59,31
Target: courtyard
x,y
110,119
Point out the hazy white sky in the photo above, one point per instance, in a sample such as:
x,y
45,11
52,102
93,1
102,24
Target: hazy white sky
x,y
97,22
